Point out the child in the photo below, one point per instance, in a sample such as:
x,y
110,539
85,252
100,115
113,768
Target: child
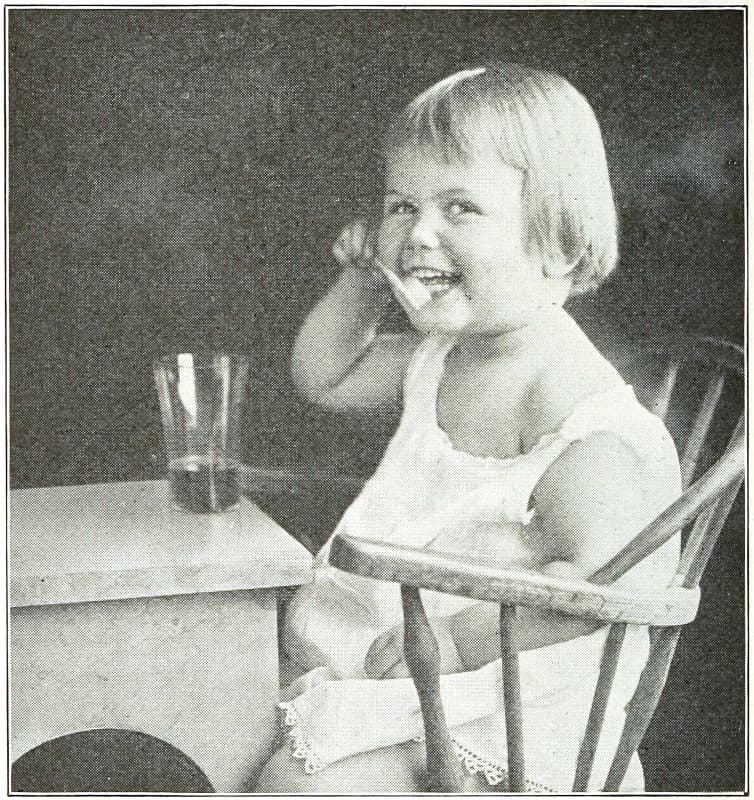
x,y
518,442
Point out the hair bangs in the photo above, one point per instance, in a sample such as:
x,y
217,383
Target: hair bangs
x,y
432,125
458,122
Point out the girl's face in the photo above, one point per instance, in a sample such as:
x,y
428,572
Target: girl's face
x,y
459,227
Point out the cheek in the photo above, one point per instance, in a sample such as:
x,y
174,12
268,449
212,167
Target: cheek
x,y
496,259
484,245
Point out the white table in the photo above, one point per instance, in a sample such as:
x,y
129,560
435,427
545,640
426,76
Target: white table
x,y
127,614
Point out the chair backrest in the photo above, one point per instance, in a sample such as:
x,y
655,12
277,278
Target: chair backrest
x,y
694,384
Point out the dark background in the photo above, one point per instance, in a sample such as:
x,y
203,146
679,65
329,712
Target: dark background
x,y
176,181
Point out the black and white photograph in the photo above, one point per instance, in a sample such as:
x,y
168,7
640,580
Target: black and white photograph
x,y
376,383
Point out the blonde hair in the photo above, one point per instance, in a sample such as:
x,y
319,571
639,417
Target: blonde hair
x,y
540,124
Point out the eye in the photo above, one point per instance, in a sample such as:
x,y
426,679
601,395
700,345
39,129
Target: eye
x,y
399,208
458,208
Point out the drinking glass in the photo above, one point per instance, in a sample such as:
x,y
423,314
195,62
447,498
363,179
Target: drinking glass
x,y
202,397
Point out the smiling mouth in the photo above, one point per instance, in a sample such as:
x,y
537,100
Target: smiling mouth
x,y
436,281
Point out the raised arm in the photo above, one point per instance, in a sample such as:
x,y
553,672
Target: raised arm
x,y
338,359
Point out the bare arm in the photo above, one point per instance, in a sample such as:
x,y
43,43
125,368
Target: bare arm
x,y
591,501
338,359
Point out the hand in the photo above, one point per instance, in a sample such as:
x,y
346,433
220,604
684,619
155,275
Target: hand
x,y
385,657
355,246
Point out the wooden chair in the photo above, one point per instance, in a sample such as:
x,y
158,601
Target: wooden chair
x,y
700,512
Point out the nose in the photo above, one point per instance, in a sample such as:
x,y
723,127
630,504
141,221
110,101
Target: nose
x,y
424,233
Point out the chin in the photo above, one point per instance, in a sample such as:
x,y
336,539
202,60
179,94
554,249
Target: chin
x,y
440,316
432,321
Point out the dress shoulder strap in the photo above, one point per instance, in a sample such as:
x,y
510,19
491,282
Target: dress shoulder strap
x,y
620,413
426,367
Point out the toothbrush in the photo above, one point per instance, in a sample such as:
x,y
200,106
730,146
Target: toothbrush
x,y
411,290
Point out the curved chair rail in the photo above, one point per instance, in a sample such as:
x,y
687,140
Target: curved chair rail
x,y
483,581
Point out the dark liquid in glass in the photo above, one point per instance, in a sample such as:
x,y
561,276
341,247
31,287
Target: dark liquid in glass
x,y
204,485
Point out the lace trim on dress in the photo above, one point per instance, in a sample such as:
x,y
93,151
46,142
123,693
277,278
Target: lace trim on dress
x,y
303,748
494,774
567,432
302,745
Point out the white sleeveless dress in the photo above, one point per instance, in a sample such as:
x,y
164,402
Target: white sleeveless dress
x,y
427,493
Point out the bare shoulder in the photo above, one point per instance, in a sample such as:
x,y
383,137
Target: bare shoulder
x,y
599,492
572,374
593,499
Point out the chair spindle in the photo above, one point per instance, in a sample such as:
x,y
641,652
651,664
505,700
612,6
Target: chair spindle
x,y
711,523
693,561
642,705
514,721
700,429
661,401
608,665
423,661
707,527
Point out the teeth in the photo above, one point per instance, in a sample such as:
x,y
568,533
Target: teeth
x,y
428,274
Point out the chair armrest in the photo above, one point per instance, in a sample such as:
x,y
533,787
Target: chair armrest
x,y
483,580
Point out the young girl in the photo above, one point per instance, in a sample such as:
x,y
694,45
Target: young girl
x,y
518,441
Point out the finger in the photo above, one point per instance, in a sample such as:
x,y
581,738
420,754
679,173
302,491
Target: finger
x,y
367,252
341,256
370,243
344,237
383,655
400,670
380,662
358,237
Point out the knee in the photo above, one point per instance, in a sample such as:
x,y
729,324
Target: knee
x,y
383,771
282,774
